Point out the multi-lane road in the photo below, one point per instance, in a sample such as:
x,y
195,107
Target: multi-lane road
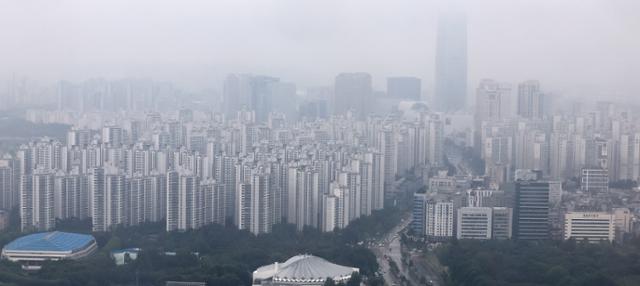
x,y
388,247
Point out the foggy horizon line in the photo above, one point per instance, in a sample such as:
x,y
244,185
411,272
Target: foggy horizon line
x,y
220,77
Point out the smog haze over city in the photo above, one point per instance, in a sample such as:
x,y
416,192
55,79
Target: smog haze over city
x,y
320,143
576,47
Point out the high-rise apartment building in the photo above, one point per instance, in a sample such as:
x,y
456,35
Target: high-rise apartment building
x,y
225,173
493,101
330,212
155,197
559,156
387,145
322,174
184,202
351,180
303,197
37,201
71,196
97,198
440,219
261,204
214,201
114,135
435,135
8,194
135,200
492,105
255,203
115,201
244,202
419,214
531,101
343,201
375,169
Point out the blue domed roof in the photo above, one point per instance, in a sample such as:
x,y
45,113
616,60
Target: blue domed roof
x,y
50,241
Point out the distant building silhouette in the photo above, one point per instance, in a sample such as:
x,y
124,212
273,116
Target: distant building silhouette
x,y
451,62
404,88
353,92
530,100
250,92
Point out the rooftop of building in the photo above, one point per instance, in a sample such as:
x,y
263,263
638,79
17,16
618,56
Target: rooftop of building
x,y
303,267
55,241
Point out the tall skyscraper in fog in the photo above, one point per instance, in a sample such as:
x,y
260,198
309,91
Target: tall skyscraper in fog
x,y
451,62
353,91
404,88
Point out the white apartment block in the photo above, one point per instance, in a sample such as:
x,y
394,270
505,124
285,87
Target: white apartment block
x,y
37,201
440,219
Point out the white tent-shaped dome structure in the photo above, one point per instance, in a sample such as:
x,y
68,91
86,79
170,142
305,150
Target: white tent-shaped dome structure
x,y
301,270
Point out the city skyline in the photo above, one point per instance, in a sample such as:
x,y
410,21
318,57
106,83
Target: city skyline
x,y
525,49
320,143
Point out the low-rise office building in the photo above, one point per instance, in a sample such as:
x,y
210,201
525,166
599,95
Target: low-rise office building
x,y
502,223
590,226
474,223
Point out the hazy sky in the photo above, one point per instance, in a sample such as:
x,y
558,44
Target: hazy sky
x,y
570,45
